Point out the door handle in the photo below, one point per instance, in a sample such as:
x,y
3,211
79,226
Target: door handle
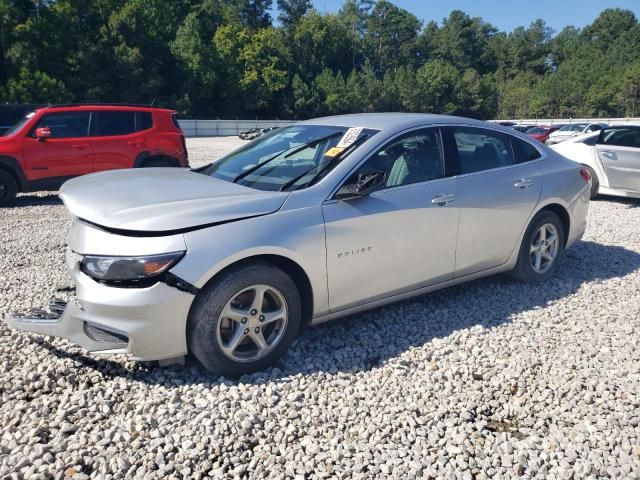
x,y
80,146
609,153
442,199
523,183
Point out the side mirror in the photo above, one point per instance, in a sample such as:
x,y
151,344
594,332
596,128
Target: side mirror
x,y
366,183
43,133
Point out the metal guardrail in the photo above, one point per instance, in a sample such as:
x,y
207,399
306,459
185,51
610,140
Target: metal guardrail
x,y
225,128
555,121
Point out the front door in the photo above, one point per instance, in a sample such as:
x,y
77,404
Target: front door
x,y
496,196
400,237
619,151
66,153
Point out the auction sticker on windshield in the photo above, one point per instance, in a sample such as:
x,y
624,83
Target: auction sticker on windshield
x,y
349,137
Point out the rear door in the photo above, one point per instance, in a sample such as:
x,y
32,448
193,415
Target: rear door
x,y
67,153
119,137
618,149
496,195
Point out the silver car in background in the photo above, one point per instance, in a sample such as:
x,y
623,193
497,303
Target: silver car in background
x,y
315,221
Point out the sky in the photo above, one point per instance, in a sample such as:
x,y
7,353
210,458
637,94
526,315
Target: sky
x,y
505,14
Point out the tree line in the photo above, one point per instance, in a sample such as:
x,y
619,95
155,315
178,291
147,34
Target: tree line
x,y
241,59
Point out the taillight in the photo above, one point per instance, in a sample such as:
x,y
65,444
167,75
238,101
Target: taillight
x,y
584,173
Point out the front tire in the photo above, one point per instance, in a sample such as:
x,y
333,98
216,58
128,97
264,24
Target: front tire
x,y
542,246
8,189
245,320
159,162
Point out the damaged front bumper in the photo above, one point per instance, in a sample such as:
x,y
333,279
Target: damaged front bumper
x,y
148,323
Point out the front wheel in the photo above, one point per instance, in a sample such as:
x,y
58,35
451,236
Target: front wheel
x,y
244,321
8,189
541,248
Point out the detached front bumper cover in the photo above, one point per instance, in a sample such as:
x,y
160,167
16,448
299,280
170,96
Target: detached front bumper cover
x,y
61,320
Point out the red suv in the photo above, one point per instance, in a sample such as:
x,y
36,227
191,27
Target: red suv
x,y
52,144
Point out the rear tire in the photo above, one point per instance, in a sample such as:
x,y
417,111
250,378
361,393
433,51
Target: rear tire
x,y
8,189
541,249
231,332
155,162
595,181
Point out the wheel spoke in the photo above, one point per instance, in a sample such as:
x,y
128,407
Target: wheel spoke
x,y
543,234
259,340
535,248
234,314
538,260
235,340
258,299
547,257
273,316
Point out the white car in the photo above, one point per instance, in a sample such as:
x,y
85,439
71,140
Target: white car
x,y
612,156
573,130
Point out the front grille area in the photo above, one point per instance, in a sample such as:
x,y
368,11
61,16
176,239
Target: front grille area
x,y
99,334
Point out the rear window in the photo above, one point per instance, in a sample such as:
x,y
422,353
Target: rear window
x,y
524,151
114,123
480,149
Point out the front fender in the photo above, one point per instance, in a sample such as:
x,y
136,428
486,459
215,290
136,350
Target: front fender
x,y
297,235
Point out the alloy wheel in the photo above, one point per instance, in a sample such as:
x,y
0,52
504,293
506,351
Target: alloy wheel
x,y
252,323
544,248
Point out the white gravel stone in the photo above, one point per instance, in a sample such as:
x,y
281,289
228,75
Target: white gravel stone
x,y
492,379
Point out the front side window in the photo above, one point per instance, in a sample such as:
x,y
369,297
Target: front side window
x,y
573,127
537,131
289,158
480,149
621,137
114,123
65,124
411,158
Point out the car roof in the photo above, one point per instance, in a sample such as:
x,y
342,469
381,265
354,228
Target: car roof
x,y
107,107
392,121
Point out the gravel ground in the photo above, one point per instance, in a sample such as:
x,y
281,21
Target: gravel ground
x,y
492,379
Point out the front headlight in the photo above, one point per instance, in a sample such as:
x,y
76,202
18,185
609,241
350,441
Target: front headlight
x,y
133,271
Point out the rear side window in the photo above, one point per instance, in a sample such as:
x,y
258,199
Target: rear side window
x,y
144,121
481,149
524,151
114,123
65,124
621,137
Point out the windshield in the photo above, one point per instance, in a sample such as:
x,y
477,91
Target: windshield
x,y
574,127
537,130
18,125
288,158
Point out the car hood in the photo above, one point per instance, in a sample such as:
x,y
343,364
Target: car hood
x,y
163,200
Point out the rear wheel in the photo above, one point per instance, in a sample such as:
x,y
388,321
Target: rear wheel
x,y
244,321
8,189
159,162
541,248
595,181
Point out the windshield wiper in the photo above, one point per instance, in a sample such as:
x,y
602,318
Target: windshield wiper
x,y
321,168
293,152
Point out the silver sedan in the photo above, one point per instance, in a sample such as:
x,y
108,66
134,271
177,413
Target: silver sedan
x,y
315,221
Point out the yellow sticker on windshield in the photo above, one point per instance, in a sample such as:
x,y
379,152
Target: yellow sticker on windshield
x,y
333,152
